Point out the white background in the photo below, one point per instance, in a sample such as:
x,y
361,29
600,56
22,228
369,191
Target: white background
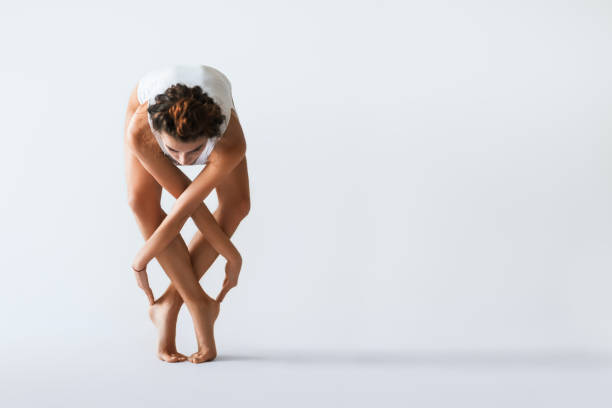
x,y
430,181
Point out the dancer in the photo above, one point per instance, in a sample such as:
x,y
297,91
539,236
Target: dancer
x,y
185,115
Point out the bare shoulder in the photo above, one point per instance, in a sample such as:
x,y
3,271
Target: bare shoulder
x,y
138,110
140,117
140,132
231,144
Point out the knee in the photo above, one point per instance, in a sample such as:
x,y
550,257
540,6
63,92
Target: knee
x,y
142,205
236,210
239,210
232,214
243,208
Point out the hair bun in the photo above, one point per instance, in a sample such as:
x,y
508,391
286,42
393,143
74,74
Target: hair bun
x,y
186,113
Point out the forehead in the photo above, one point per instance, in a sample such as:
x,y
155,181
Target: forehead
x,y
182,146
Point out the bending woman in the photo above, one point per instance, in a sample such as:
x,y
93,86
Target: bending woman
x,y
185,115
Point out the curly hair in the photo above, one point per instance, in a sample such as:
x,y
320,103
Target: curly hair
x,y
186,113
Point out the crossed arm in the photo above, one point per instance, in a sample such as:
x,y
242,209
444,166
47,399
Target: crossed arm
x,y
189,195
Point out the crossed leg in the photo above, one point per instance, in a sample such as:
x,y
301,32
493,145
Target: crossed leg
x,y
164,312
234,204
202,254
144,194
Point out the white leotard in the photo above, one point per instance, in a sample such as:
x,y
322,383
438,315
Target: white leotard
x,y
212,81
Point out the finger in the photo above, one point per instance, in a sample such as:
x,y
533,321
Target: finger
x,y
138,280
149,293
145,278
142,280
222,294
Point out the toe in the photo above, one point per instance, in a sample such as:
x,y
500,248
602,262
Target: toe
x,y
169,358
179,356
195,358
201,357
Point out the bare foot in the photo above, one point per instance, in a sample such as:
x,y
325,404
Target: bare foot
x,y
164,316
207,350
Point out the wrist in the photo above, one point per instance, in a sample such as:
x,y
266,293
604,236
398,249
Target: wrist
x,y
235,258
137,263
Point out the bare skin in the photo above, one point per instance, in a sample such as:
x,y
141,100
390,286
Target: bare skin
x,y
185,265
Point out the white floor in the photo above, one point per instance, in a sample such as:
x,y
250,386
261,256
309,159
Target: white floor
x,y
113,375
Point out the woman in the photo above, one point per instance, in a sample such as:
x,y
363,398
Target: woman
x,y
185,115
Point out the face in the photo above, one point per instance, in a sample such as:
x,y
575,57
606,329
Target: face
x,y
183,153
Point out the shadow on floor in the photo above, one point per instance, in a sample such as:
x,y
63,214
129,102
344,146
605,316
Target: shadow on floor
x,y
567,358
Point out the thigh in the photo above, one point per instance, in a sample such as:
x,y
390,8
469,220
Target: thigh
x,y
141,185
233,190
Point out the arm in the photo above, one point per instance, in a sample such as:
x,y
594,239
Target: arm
x,y
176,183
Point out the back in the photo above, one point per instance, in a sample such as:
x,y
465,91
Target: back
x,y
212,81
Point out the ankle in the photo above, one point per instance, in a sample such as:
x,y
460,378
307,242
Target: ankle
x,y
208,299
202,302
171,300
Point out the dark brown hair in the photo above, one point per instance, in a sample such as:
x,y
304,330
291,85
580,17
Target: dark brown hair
x,y
186,113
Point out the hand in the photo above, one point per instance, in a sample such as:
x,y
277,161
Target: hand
x,y
232,270
143,283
